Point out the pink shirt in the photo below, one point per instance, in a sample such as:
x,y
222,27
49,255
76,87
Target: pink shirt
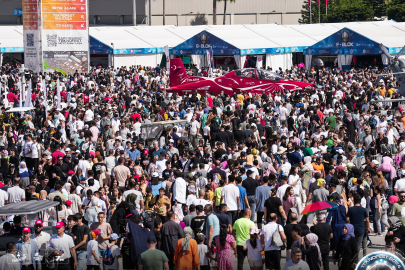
x,y
94,132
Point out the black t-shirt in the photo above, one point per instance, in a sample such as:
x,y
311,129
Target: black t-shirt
x,y
261,129
97,168
290,123
250,184
239,136
357,214
323,231
80,232
224,218
272,205
329,96
288,234
198,224
313,187
218,154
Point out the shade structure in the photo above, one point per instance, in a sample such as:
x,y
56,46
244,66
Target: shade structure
x,y
26,207
318,206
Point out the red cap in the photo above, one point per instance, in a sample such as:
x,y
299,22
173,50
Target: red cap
x,y
39,222
145,152
26,229
68,202
71,172
60,224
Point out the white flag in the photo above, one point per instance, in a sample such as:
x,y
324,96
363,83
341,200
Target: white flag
x,y
259,62
5,97
166,51
28,97
21,93
209,63
45,102
58,91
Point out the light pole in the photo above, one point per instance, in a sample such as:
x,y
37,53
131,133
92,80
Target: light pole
x,y
113,57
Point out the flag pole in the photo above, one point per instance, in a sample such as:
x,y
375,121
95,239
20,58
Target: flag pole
x,y
319,11
310,12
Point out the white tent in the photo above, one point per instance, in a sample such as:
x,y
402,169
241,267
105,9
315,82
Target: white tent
x,y
11,41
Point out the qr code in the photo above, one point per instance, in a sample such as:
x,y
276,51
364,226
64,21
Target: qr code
x,y
30,40
52,40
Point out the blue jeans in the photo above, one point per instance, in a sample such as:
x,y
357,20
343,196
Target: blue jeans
x,y
81,259
252,205
101,251
374,211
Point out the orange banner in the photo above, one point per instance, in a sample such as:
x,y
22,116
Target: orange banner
x,y
63,17
63,1
30,8
30,17
30,25
64,25
63,8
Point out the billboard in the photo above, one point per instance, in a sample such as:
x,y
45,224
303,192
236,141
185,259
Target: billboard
x,y
31,33
65,36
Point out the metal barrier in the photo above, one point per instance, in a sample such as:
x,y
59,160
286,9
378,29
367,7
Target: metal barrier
x,y
361,160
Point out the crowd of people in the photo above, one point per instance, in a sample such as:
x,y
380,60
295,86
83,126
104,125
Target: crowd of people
x,y
230,184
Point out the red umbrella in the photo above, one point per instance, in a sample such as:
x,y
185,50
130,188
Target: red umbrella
x,y
318,206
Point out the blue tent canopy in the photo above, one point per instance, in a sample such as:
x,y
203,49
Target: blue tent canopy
x,y
98,47
344,41
199,44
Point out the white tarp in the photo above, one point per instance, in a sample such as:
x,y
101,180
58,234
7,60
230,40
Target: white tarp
x,y
281,60
21,109
149,60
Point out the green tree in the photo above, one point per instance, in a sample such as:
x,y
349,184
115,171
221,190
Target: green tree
x,y
305,12
396,10
339,11
225,1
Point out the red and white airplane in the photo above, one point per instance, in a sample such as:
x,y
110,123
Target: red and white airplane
x,y
241,80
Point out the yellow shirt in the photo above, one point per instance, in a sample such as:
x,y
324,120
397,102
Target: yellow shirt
x,y
382,91
391,91
240,99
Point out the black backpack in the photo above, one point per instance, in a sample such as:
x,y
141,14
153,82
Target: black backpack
x,y
214,126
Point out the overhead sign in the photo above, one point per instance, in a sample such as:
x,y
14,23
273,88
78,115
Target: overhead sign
x,y
18,12
65,36
31,33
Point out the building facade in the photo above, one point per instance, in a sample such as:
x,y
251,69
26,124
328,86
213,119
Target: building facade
x,y
177,12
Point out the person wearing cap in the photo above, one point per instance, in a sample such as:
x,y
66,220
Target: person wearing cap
x,y
93,254
115,252
153,258
41,238
28,251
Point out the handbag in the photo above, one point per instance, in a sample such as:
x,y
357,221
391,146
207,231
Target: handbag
x,y
276,238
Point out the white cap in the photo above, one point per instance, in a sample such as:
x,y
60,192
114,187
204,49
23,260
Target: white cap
x,y
375,162
78,151
68,150
86,126
155,174
49,157
171,140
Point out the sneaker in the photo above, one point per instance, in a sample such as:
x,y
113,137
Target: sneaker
x,y
369,244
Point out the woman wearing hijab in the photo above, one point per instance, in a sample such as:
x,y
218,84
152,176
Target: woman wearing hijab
x,y
186,253
24,174
119,214
351,125
346,250
311,252
92,211
396,231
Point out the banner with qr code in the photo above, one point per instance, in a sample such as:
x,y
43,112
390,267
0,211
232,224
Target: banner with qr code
x,y
31,34
65,36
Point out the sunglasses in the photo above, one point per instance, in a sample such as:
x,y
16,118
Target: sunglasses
x,y
402,196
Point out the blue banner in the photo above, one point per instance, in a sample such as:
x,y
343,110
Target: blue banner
x,y
97,47
344,41
18,12
12,50
202,41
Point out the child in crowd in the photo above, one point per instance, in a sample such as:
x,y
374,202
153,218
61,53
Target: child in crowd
x,y
202,252
254,249
115,252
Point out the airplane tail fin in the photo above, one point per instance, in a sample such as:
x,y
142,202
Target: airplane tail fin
x,y
177,72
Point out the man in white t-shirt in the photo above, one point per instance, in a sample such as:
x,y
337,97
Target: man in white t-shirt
x,y
230,197
272,253
194,131
15,193
3,198
88,116
400,183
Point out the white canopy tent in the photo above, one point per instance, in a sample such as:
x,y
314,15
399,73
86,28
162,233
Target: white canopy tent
x,y
11,41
